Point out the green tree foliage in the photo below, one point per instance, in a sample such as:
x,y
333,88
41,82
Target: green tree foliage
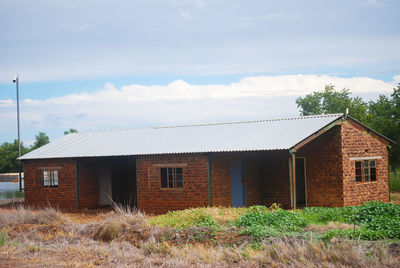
x,y
9,155
71,130
9,152
384,117
40,140
331,101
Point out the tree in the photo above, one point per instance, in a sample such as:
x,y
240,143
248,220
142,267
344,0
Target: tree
x,y
9,152
384,117
9,155
41,139
331,101
71,130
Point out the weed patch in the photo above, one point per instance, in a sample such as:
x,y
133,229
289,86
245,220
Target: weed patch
x,y
372,221
181,219
3,237
261,222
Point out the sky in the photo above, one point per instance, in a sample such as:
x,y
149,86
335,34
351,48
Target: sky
x,y
97,64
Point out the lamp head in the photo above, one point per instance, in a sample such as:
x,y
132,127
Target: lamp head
x,y
15,78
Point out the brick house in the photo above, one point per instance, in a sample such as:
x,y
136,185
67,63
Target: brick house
x,y
326,160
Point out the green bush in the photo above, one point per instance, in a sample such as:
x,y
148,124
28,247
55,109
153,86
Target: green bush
x,y
322,215
260,222
374,221
185,218
378,220
3,237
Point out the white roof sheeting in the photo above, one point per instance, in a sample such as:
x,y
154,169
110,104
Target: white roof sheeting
x,y
219,137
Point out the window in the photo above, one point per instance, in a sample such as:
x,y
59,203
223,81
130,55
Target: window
x,y
365,170
50,178
171,178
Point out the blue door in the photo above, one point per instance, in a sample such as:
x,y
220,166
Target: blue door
x,y
238,188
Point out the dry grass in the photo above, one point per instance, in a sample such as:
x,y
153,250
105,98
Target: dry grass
x,y
319,228
21,215
395,196
123,238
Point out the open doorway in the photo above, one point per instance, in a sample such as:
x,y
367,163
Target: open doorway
x,y
123,179
301,182
117,181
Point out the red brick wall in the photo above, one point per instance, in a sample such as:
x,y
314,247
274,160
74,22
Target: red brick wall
x,y
88,182
357,142
221,180
275,178
154,199
266,175
324,174
63,196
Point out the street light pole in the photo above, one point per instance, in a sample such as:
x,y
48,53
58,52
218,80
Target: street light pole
x,y
16,80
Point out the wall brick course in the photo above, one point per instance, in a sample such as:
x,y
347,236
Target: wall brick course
x,y
266,176
358,142
324,186
154,199
63,196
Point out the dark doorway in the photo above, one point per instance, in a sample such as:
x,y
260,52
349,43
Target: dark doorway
x,y
238,188
123,178
300,181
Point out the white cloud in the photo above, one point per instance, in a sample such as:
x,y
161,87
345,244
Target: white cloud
x,y
6,103
274,16
185,14
396,79
179,102
195,3
375,3
249,87
81,28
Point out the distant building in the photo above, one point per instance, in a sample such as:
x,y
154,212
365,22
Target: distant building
x,y
8,177
325,160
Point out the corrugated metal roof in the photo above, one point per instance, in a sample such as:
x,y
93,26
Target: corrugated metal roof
x,y
219,137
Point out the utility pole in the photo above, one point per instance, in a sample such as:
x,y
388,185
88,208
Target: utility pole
x,y
16,80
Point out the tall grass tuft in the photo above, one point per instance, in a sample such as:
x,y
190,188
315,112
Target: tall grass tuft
x,y
23,215
124,224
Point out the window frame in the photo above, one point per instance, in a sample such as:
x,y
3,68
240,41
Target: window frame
x,y
173,179
52,176
365,170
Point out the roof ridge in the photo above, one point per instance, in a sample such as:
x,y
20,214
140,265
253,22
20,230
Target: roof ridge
x,y
250,121
215,123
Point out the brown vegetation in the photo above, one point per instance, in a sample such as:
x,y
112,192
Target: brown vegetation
x,y
124,238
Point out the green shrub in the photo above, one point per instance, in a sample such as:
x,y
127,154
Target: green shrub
x,y
260,222
185,218
322,215
381,218
3,237
375,220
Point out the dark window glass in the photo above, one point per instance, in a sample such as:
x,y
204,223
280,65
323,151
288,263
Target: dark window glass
x,y
50,178
171,178
164,183
365,170
179,179
358,171
372,163
373,171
